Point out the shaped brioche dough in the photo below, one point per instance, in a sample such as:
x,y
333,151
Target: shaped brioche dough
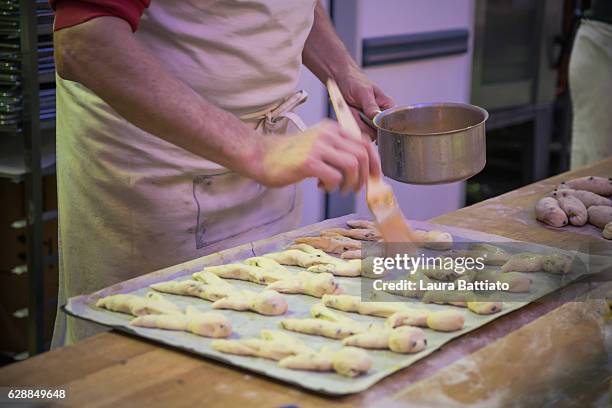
x,y
268,264
244,272
434,239
206,324
335,244
556,263
362,234
523,262
272,344
226,296
348,361
354,254
354,304
307,283
442,274
517,282
485,308
295,256
493,255
267,302
361,224
404,339
445,321
340,268
291,353
135,305
324,328
195,289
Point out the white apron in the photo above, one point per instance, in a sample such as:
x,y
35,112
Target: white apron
x,y
131,203
590,81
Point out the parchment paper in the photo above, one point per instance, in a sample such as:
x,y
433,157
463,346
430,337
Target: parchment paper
x,y
247,324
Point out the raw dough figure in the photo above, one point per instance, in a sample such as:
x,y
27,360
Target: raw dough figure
x,y
244,272
434,239
445,321
135,305
523,262
341,268
517,282
268,302
268,264
307,283
557,263
354,304
361,224
206,324
404,339
354,254
335,244
321,327
362,234
195,289
296,355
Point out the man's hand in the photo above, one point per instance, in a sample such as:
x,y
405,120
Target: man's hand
x,y
324,152
362,94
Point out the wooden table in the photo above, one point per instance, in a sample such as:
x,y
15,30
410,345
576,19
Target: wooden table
x,y
550,351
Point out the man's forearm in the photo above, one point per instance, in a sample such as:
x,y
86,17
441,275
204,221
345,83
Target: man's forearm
x,y
104,56
324,53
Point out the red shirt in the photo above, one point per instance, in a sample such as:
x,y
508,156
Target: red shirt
x,y
69,13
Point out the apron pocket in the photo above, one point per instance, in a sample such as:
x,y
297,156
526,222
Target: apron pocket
x,y
228,205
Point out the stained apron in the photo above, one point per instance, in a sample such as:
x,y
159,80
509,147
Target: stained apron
x,y
131,203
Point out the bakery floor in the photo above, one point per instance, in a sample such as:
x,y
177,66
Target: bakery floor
x,y
554,352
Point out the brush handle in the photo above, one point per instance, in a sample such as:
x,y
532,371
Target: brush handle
x,y
343,113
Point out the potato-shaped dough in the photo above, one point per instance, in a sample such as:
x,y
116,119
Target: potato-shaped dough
x,y
588,199
575,210
351,361
594,184
407,339
548,211
600,215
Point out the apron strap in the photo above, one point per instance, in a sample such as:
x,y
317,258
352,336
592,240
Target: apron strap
x,y
267,119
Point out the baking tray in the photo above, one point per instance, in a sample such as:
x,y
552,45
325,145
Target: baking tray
x,y
247,324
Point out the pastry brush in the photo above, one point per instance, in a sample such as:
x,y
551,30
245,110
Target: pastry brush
x,y
379,195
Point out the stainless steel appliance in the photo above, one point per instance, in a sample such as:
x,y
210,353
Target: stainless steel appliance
x,y
515,52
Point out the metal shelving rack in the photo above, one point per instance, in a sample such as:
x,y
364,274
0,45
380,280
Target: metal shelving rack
x,y
27,127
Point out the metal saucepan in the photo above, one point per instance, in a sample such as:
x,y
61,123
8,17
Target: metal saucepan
x,y
431,143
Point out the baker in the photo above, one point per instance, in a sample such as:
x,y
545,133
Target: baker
x,y
176,135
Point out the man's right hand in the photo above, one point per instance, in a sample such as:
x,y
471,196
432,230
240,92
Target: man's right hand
x,y
324,152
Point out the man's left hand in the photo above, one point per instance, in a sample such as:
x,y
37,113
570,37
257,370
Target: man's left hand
x,y
362,94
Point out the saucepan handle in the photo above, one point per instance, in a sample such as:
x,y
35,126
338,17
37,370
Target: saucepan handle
x,y
367,120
